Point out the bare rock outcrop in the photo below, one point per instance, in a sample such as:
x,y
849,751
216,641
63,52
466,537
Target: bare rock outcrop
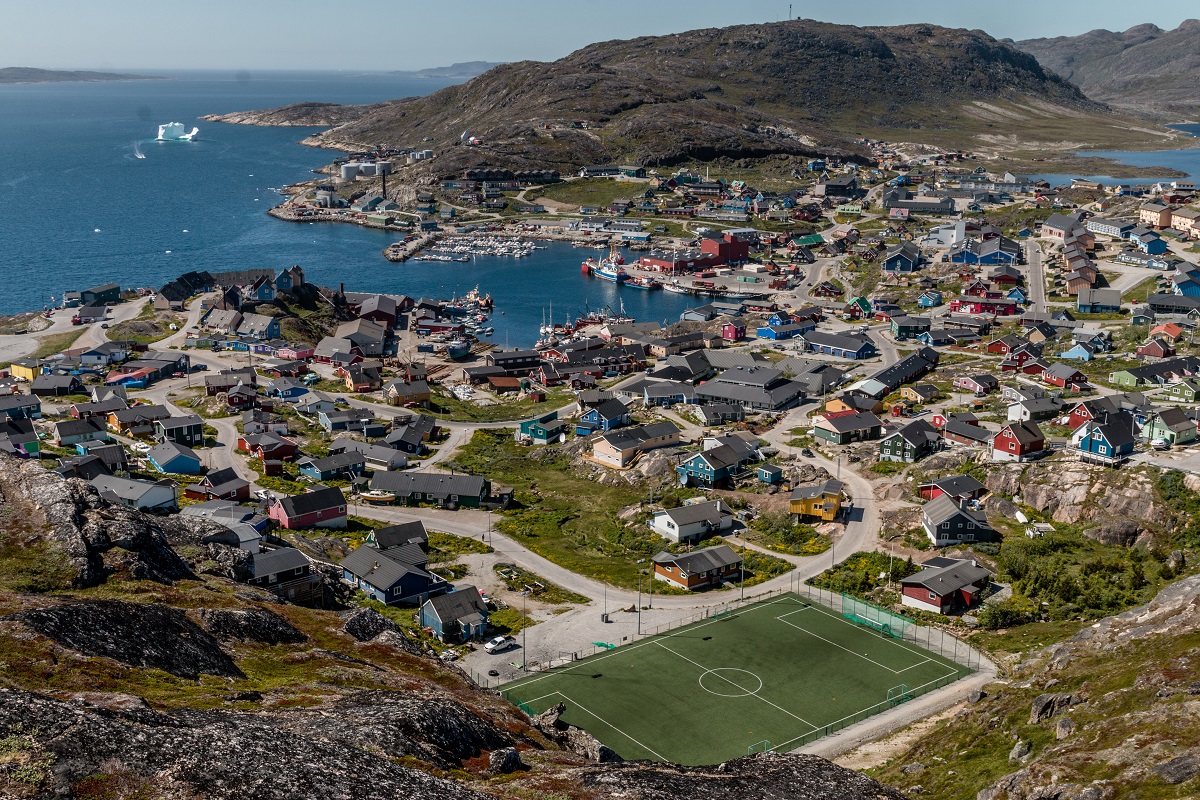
x,y
767,776
251,625
1122,504
574,739
137,634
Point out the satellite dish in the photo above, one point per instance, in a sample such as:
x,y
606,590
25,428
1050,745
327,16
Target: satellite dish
x,y
683,479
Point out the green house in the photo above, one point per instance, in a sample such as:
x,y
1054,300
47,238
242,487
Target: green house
x,y
1185,391
911,443
1171,424
1126,379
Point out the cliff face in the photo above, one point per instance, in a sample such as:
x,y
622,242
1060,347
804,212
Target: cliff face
x,y
129,670
1144,69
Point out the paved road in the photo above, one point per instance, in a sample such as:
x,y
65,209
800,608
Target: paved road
x,y
1037,277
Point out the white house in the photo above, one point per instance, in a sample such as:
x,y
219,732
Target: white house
x,y
694,522
142,495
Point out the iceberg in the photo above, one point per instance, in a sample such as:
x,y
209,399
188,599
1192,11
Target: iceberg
x,y
174,132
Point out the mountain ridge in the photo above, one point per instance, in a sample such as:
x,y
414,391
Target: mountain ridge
x,y
1144,69
36,75
795,88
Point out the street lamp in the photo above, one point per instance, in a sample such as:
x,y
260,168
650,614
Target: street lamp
x,y
524,627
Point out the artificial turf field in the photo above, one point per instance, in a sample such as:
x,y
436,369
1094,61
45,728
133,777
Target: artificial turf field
x,y
773,675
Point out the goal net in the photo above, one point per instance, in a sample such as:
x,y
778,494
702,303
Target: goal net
x,y
871,616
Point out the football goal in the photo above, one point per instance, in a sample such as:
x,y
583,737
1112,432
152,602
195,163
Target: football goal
x,y
899,694
871,616
758,747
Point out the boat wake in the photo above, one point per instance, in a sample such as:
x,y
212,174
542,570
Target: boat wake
x,y
137,150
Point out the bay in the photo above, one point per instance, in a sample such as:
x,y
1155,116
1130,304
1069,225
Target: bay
x,y
80,208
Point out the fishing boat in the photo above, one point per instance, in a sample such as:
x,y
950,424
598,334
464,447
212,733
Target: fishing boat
x,y
459,348
643,282
377,498
607,269
675,287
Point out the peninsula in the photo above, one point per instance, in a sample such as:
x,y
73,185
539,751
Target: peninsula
x,y
34,75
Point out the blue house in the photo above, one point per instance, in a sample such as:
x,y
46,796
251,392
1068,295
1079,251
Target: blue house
x,y
668,393
174,458
456,617
780,318
1106,442
344,465
710,468
1017,295
779,332
904,257
930,298
1148,242
770,473
607,415
397,574
288,389
1080,352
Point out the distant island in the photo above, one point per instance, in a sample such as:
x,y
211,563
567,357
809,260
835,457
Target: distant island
x,y
464,70
34,75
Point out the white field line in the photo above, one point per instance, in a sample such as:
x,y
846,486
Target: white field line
x,y
705,669
571,702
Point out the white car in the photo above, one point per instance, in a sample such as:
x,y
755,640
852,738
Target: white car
x,y
1160,444
500,644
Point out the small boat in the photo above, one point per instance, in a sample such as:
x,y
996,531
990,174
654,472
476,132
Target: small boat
x,y
459,348
377,498
488,331
675,287
643,282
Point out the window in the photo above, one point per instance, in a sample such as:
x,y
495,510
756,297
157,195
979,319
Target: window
x,y
668,569
945,526
1012,446
933,595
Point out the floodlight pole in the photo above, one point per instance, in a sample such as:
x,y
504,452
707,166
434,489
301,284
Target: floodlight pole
x,y
524,649
639,608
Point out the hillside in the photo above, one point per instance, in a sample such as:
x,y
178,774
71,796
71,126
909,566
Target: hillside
x,y
792,88
136,663
461,69
33,75
1144,69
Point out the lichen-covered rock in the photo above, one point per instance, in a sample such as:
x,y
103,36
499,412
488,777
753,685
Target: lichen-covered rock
x,y
214,755
1046,706
550,723
251,625
1071,492
767,776
137,634
1179,769
1019,751
1064,728
364,624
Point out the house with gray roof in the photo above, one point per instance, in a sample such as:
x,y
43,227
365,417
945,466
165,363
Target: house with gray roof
x,y
692,522
396,574
456,617
949,522
698,569
945,586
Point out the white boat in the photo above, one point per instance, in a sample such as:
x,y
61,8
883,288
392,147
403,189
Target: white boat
x,y
175,132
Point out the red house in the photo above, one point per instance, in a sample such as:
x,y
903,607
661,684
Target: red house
x,y
945,585
729,249
1095,409
1156,348
1006,344
268,446
1065,376
222,484
324,507
1018,441
960,488
733,331
241,397
1034,366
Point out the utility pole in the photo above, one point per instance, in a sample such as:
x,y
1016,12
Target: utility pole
x,y
639,607
524,648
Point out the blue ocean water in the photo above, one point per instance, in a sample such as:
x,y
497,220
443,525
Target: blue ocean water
x,y
1186,160
81,208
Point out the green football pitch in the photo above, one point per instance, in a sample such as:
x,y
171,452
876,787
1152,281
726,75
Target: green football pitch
x,y
770,676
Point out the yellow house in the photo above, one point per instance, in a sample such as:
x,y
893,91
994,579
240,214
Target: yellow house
x,y
26,369
820,500
921,393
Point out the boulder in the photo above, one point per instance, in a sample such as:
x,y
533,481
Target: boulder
x,y
1179,769
1020,750
976,696
504,761
1046,706
1064,728
364,624
250,625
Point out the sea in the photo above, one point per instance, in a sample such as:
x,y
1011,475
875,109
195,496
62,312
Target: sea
x,y
1186,160
89,197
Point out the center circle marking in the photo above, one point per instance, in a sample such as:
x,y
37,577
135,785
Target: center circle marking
x,y
724,682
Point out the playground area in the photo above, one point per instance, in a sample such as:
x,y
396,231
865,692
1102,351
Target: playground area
x,y
773,675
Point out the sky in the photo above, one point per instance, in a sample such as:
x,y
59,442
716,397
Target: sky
x,y
306,34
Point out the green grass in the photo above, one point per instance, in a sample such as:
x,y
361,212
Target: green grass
x,y
446,406
1139,293
517,579
560,513
592,191
56,343
784,671
776,531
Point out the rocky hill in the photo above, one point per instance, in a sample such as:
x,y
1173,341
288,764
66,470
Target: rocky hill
x,y
791,88
1144,69
133,664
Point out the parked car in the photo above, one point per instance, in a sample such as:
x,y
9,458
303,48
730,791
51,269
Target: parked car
x,y
1160,444
806,453
500,644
